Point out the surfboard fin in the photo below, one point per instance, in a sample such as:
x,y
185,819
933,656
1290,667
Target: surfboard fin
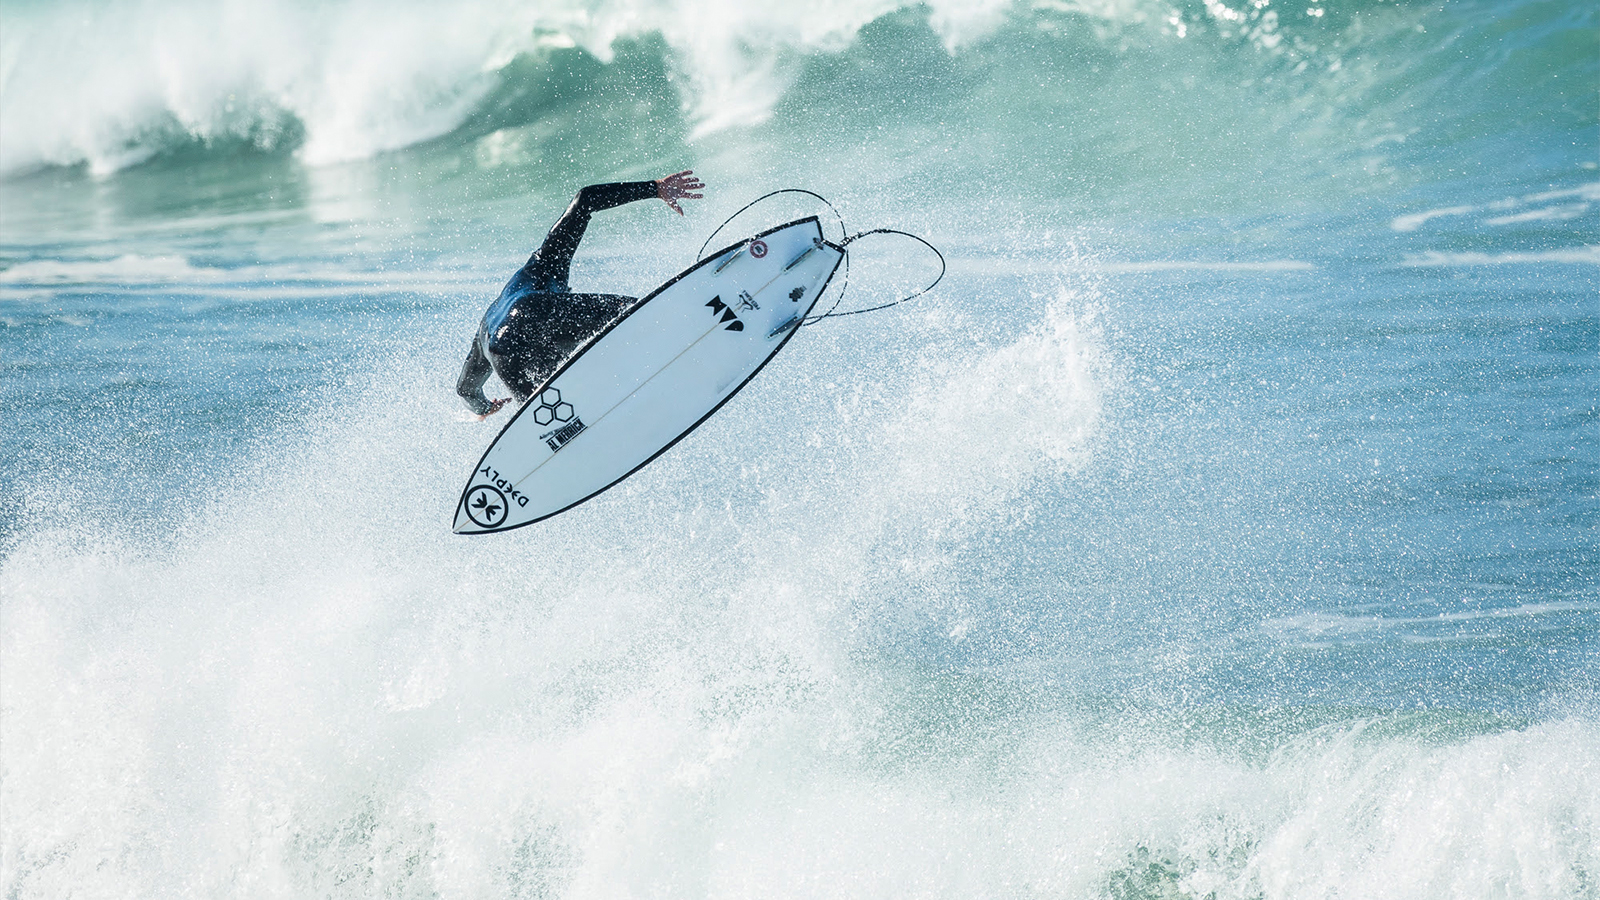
x,y
729,261
785,326
803,254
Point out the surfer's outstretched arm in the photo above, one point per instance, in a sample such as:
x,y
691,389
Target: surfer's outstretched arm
x,y
551,263
474,372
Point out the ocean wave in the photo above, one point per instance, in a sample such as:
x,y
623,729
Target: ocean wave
x,y
351,79
112,85
337,729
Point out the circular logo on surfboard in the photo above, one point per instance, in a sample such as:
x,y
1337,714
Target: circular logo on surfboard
x,y
486,506
758,249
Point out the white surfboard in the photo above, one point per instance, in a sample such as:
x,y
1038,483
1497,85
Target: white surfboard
x,y
651,378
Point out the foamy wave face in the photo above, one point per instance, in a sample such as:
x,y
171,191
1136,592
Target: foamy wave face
x,y
112,85
207,723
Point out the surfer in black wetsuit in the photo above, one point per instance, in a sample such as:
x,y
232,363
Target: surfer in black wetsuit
x,y
537,321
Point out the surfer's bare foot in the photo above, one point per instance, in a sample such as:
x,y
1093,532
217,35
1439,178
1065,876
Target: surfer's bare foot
x,y
679,187
494,407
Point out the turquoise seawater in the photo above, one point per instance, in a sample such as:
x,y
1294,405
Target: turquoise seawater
x,y
1224,525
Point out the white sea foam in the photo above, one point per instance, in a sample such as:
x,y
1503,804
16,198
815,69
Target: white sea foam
x,y
1179,265
130,268
113,87
1416,220
1569,203
991,265
1585,255
310,686
114,84
279,709
176,276
1556,213
1327,628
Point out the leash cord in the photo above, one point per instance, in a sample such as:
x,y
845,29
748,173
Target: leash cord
x,y
844,242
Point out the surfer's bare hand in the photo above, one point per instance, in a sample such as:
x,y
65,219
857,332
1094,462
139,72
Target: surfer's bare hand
x,y
494,407
679,187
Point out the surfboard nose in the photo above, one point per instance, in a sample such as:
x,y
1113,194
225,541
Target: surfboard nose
x,y
463,523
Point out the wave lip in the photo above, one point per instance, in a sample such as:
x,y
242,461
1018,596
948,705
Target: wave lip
x,y
330,84
348,80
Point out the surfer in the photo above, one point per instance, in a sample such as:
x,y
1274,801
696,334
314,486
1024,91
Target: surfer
x,y
537,322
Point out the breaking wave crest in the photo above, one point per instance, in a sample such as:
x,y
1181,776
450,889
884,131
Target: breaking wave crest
x,y
111,85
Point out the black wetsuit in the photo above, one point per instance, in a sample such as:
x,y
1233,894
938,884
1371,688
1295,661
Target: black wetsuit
x,y
536,322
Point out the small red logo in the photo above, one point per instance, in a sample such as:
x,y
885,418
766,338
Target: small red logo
x,y
758,249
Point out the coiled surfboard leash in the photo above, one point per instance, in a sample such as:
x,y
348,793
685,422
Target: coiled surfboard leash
x,y
844,242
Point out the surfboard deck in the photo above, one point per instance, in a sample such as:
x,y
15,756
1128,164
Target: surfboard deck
x,y
650,378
